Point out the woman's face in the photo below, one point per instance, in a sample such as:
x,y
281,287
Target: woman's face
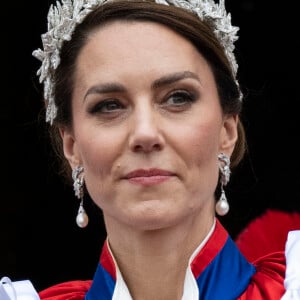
x,y
147,125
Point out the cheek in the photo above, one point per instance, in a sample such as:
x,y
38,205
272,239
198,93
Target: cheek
x,y
99,152
201,143
200,151
99,155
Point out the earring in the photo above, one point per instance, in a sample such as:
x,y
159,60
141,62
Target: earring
x,y
222,206
82,218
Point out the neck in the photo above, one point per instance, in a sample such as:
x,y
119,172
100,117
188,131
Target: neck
x,y
151,260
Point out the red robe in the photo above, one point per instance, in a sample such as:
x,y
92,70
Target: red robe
x,y
260,280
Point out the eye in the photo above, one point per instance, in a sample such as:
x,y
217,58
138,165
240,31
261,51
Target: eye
x,y
180,98
107,106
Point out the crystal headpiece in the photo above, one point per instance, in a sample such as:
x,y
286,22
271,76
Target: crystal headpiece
x,y
67,14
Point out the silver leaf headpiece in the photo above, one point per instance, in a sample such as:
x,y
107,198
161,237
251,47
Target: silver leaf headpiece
x,y
67,14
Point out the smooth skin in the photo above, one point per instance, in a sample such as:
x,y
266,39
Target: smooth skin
x,y
146,99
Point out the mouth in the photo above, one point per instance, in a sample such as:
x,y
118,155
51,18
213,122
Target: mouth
x,y
149,176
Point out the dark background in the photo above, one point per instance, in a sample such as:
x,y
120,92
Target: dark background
x,y
39,239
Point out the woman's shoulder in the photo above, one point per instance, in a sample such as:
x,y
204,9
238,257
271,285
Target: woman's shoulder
x,y
271,243
268,281
70,290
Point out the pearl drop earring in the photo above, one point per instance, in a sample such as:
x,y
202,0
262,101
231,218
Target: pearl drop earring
x,y
82,218
222,206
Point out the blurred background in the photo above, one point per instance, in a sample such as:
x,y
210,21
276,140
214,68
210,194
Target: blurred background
x,y
39,239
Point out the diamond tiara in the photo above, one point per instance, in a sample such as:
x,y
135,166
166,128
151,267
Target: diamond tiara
x,y
67,14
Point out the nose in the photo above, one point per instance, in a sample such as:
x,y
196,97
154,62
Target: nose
x,y
146,135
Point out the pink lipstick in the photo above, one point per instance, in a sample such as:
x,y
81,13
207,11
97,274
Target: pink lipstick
x,y
148,177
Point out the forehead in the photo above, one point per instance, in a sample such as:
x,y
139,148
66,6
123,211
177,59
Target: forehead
x,y
141,47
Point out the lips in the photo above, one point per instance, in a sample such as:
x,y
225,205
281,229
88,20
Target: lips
x,y
149,177
148,173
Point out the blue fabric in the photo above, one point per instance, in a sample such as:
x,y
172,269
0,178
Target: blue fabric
x,y
102,287
227,276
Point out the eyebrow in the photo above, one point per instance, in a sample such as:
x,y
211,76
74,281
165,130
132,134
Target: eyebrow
x,y
105,88
112,87
172,78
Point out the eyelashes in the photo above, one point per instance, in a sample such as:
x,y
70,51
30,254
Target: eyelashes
x,y
175,101
107,106
180,98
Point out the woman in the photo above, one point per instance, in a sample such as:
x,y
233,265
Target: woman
x,y
144,104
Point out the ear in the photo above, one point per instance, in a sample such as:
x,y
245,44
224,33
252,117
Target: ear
x,y
70,147
229,134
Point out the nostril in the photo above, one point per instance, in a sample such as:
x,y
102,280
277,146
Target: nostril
x,y
156,146
147,147
138,148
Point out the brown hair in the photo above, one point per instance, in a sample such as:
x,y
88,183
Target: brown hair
x,y
188,25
